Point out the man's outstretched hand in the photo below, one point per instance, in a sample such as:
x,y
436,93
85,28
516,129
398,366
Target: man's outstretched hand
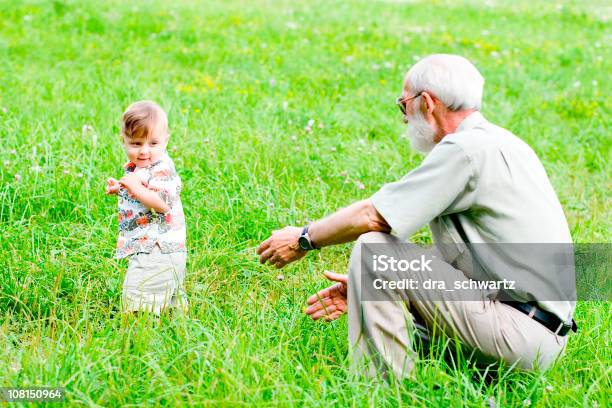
x,y
329,303
281,248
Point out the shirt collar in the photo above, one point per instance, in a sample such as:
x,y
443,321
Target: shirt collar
x,y
470,122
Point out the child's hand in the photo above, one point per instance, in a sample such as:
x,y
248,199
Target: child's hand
x,y
132,182
112,186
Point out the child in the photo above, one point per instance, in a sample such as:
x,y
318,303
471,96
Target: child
x,y
151,220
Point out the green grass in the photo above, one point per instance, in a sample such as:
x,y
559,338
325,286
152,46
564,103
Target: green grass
x,y
223,72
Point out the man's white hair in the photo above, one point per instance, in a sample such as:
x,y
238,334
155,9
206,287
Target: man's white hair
x,y
451,78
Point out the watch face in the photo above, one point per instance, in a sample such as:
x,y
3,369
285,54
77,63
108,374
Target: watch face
x,y
303,243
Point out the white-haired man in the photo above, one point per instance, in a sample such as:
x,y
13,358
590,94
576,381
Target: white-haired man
x,y
478,184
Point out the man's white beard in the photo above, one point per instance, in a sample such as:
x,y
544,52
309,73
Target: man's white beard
x,y
420,133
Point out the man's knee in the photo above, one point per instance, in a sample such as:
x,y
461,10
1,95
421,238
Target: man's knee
x,y
375,237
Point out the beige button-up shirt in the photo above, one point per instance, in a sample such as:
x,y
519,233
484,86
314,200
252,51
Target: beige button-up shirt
x,y
485,186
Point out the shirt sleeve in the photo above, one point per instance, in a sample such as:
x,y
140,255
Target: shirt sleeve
x,y
166,182
444,183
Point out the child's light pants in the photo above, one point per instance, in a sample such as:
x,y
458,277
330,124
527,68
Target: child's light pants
x,y
154,282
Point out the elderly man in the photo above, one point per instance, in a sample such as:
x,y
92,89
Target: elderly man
x,y
478,184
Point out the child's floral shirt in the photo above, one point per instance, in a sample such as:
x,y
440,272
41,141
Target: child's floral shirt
x,y
140,228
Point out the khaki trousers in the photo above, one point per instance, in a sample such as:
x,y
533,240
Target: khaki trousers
x,y
381,331
154,282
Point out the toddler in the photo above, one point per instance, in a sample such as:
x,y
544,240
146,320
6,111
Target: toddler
x,y
151,220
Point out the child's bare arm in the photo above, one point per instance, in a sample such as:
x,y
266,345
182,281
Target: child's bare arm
x,y
148,198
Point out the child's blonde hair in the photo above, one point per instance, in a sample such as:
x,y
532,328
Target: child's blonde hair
x,y
143,118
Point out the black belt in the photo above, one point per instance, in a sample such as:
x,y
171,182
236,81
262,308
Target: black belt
x,y
547,319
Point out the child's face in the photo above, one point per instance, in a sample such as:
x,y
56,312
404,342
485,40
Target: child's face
x,y
145,151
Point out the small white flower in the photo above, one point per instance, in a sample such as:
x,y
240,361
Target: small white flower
x,y
15,366
576,84
375,67
7,163
527,402
594,82
36,169
333,148
360,185
272,82
388,65
17,177
495,54
285,105
66,172
80,175
485,33
361,29
85,129
291,25
299,367
264,45
348,59
294,138
280,277
4,110
321,126
13,151
27,17
311,123
549,388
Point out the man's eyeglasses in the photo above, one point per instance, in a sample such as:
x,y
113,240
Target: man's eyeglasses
x,y
402,103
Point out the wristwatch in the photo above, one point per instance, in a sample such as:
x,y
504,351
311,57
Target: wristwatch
x,y
304,241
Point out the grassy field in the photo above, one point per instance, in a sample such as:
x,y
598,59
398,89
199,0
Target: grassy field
x,y
241,81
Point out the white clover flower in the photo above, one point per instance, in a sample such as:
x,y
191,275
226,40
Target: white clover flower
x,y
36,169
17,177
285,105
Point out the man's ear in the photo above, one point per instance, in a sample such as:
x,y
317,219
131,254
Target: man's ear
x,y
430,101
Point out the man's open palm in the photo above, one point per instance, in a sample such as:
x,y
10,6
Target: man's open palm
x,y
329,303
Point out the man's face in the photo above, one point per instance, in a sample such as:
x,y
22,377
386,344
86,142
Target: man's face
x,y
145,151
421,134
